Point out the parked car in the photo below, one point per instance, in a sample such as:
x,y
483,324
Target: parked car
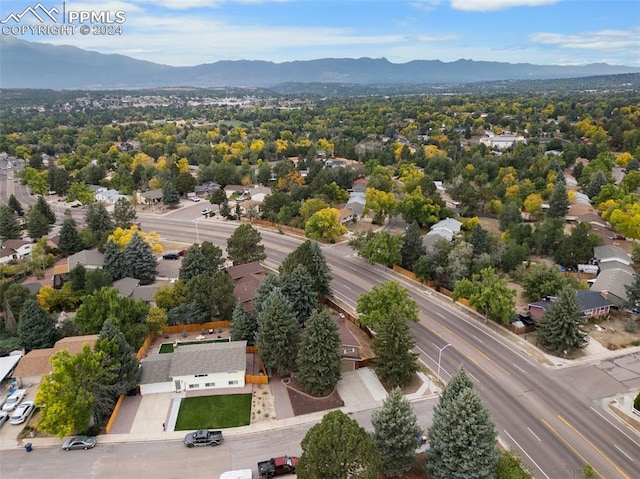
x,y
79,442
4,415
239,474
22,413
203,437
277,466
195,199
171,256
207,211
12,401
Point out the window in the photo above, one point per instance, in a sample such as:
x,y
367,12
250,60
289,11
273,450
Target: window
x,y
194,386
209,385
201,375
233,383
349,350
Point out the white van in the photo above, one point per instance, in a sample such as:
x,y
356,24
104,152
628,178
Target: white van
x,y
239,474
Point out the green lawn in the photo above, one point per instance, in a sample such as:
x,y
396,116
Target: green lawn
x,y
214,412
168,347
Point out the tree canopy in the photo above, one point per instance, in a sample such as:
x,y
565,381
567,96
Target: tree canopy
x,y
374,306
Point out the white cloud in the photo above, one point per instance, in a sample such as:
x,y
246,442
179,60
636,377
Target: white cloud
x,y
492,5
425,5
601,40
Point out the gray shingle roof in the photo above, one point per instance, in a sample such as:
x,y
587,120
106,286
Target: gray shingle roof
x,y
155,369
208,358
614,281
586,300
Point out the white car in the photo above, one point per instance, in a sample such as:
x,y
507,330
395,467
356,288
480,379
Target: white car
x,y
4,416
239,474
195,199
206,211
22,413
13,400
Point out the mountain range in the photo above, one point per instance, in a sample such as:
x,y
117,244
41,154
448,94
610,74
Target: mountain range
x,y
39,65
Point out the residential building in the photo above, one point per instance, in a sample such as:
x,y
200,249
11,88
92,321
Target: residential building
x,y
591,303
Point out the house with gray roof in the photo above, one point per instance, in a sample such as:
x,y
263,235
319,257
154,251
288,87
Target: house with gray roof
x,y
89,258
611,283
609,253
592,304
356,203
195,367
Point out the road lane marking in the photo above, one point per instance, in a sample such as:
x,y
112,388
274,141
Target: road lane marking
x,y
566,443
475,378
614,425
534,434
570,426
618,448
526,454
441,315
519,368
477,338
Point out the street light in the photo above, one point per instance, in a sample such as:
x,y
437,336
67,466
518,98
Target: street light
x,y
440,357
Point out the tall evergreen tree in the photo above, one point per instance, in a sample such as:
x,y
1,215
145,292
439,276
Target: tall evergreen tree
x,y
15,296
338,448
193,264
458,383
319,366
77,278
633,292
297,286
264,290
124,214
170,196
395,362
462,439
560,329
70,241
44,208
213,256
36,329
15,205
115,262
395,434
222,299
96,279
118,357
9,226
140,261
37,223
244,246
311,256
412,247
559,201
278,334
243,325
98,220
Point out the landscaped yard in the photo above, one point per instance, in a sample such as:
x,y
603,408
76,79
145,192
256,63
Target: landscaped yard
x,y
214,412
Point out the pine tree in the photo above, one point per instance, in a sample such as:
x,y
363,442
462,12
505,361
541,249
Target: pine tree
x,y
98,220
338,448
243,325
124,213
44,208
559,201
311,256
395,362
118,357
15,205
412,247
222,299
36,329
395,434
70,241
193,264
37,223
77,278
462,439
115,262
633,292
278,333
458,383
297,286
170,196
560,329
244,246
140,261
9,226
213,256
319,366
264,290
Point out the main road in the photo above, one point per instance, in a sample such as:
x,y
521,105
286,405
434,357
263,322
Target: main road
x,y
551,416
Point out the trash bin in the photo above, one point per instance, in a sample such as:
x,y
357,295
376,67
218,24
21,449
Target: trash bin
x,y
28,447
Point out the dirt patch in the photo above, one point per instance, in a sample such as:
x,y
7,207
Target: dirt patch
x,y
303,403
417,471
611,332
410,388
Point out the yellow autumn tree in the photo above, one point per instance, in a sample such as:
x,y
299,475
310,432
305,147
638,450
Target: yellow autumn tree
x,y
281,145
623,158
122,237
257,145
183,165
141,159
533,205
325,224
326,145
162,163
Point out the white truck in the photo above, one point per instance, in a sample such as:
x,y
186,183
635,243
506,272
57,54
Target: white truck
x,y
589,268
239,474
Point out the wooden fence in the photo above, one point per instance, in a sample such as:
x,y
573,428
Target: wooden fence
x,y
179,328
114,414
278,226
143,349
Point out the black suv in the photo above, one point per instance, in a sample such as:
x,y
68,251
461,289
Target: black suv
x,y
171,256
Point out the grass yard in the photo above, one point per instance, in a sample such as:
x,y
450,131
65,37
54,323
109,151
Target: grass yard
x,y
214,412
168,347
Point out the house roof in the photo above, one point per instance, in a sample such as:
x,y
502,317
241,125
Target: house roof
x,y
450,224
610,253
430,239
152,194
87,257
237,272
208,358
356,207
146,293
38,361
14,244
126,286
155,369
246,288
613,281
33,288
586,300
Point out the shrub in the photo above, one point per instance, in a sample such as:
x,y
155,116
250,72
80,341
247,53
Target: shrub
x,y
631,326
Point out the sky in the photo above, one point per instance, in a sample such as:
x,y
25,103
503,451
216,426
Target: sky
x,y
192,32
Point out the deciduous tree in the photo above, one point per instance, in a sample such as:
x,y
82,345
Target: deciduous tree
x,y
383,247
374,306
412,248
336,448
325,224
319,366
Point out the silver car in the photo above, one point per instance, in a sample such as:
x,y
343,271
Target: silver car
x,y
4,416
79,442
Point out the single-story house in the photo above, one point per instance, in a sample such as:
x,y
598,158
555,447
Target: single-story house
x,y
502,142
195,367
591,303
356,202
109,196
126,286
609,253
206,188
35,364
612,282
347,216
259,193
89,258
447,229
18,249
150,197
231,190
